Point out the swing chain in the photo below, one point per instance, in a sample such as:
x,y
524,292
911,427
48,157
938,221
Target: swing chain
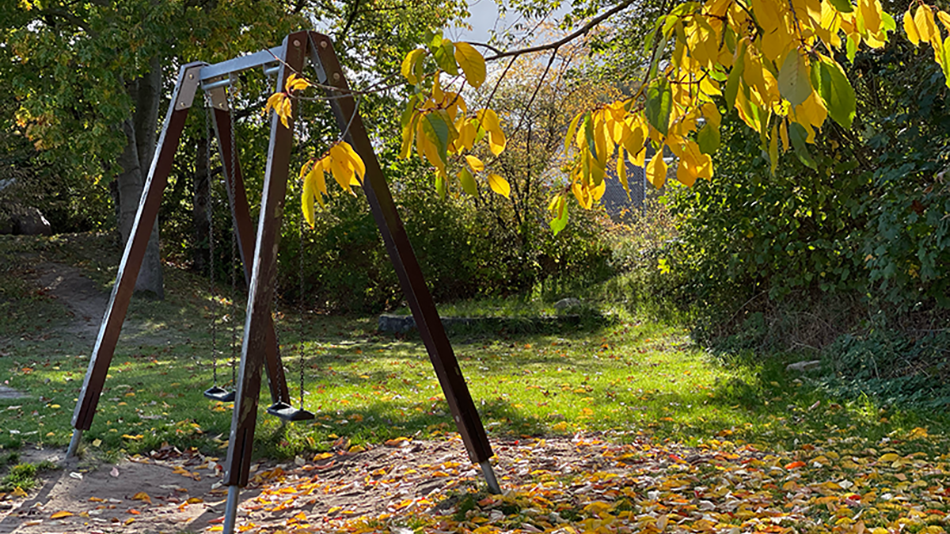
x,y
232,180
300,348
210,211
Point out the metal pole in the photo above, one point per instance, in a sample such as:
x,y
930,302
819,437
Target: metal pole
x,y
74,443
230,509
489,475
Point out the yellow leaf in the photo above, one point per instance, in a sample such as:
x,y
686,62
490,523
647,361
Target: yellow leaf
x,y
911,29
195,500
356,449
285,111
622,170
489,120
296,84
340,167
889,457
412,65
924,21
142,496
274,101
685,174
656,169
471,62
468,131
475,163
499,185
572,130
496,141
129,521
307,198
18,492
60,514
355,160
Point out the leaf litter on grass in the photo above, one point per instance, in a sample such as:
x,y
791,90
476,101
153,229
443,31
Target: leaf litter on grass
x,y
600,483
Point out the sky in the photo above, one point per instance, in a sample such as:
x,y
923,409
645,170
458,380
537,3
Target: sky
x,y
484,16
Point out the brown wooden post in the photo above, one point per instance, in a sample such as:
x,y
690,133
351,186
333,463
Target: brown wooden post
x,y
261,287
111,326
403,258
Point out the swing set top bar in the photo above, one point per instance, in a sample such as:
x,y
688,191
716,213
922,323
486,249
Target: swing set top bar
x,y
240,64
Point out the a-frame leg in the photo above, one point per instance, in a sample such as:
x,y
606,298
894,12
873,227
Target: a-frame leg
x,y
244,229
145,217
260,291
404,260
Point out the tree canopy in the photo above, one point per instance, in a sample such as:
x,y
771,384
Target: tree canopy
x,y
776,63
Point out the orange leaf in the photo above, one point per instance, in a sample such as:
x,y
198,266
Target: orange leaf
x,y
795,465
61,514
142,496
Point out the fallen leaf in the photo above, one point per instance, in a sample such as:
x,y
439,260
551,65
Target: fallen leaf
x,y
142,496
61,514
115,472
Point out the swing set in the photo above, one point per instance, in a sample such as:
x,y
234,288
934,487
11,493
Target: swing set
x,y
258,252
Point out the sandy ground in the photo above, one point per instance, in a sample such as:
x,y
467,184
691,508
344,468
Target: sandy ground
x,y
174,491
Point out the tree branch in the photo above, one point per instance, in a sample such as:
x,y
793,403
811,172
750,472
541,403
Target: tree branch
x,y
68,17
350,20
567,38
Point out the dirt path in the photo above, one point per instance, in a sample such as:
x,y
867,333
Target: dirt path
x,y
87,303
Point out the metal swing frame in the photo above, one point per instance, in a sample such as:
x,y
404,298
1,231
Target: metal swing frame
x,y
259,252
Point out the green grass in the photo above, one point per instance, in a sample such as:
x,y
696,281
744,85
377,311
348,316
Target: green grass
x,y
625,376
24,476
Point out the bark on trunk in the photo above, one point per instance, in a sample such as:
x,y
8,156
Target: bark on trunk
x,y
135,160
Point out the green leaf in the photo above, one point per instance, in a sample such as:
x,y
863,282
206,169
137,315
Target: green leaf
x,y
440,186
852,49
945,62
560,222
843,6
708,139
468,182
888,23
659,105
836,92
589,135
735,76
445,57
793,79
798,137
437,132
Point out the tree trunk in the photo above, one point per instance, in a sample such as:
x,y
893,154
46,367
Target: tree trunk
x,y
135,160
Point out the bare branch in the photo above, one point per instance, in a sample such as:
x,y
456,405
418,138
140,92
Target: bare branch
x,y
583,30
349,20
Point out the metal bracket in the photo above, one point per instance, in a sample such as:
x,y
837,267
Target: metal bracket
x,y
189,86
217,92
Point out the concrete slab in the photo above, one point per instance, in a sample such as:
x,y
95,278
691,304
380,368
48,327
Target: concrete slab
x,y
10,393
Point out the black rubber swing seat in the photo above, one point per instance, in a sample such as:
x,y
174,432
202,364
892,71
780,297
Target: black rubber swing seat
x,y
288,413
219,394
